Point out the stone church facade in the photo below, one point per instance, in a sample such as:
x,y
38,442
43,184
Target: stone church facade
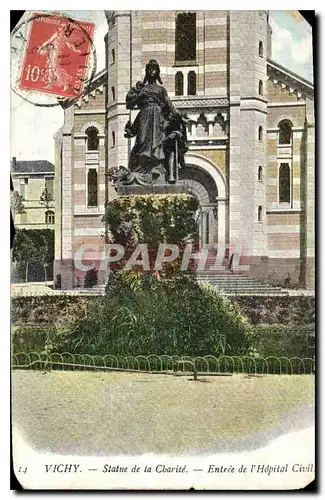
x,y
251,137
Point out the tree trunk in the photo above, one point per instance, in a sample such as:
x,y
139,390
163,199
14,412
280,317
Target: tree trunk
x,y
45,274
26,274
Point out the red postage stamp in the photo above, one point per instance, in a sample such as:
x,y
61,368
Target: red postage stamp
x,y
57,55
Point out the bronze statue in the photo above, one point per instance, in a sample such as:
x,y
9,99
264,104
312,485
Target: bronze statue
x,y
160,133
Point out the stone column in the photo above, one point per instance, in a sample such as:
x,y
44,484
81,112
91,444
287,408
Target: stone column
x,y
246,149
58,214
222,221
204,226
67,200
194,117
210,119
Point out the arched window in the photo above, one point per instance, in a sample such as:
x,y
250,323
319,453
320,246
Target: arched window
x,y
49,217
113,93
92,188
179,83
92,139
113,139
260,213
113,56
260,173
260,49
191,83
260,87
284,183
185,37
202,127
260,133
285,132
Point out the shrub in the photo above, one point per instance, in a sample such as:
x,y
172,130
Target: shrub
x,y
283,340
286,309
91,278
153,219
35,338
143,315
47,309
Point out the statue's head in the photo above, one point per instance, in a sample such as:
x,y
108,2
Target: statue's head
x,y
152,71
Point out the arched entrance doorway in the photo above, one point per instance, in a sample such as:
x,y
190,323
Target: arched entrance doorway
x,y
204,180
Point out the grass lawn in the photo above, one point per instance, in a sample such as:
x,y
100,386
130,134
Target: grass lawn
x,y
113,413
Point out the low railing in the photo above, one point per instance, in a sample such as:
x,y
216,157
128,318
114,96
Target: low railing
x,y
200,365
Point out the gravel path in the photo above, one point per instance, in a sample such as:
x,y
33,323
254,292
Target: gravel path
x,y
89,413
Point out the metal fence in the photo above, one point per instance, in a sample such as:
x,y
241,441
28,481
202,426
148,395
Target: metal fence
x,y
200,365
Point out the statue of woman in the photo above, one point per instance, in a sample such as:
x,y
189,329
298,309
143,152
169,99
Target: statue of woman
x,y
149,154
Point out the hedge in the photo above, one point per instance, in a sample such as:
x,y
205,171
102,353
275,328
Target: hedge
x,y
283,340
287,309
57,309
267,340
36,338
47,309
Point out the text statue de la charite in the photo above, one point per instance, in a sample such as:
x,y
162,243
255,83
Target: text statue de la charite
x,y
160,132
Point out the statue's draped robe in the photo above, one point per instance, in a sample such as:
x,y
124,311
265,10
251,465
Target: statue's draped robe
x,y
154,105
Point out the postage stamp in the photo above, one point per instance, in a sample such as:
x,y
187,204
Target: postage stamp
x,y
57,55
163,263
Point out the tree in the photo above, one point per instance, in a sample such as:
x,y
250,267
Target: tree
x,y
44,247
34,245
17,204
24,249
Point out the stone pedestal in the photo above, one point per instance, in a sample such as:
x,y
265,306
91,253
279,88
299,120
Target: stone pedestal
x,y
135,189
67,274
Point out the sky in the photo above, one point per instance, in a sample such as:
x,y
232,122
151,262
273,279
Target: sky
x,y
292,42
33,128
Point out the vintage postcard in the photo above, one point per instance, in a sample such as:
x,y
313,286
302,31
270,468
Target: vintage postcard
x,y
163,260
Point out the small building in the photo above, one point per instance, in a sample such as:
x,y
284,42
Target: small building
x,y
30,178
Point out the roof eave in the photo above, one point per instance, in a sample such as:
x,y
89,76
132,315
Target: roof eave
x,y
96,82
291,75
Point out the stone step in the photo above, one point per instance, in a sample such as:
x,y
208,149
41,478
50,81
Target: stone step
x,y
235,281
238,285
230,284
218,273
230,291
257,290
245,288
230,277
249,289
226,280
271,292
